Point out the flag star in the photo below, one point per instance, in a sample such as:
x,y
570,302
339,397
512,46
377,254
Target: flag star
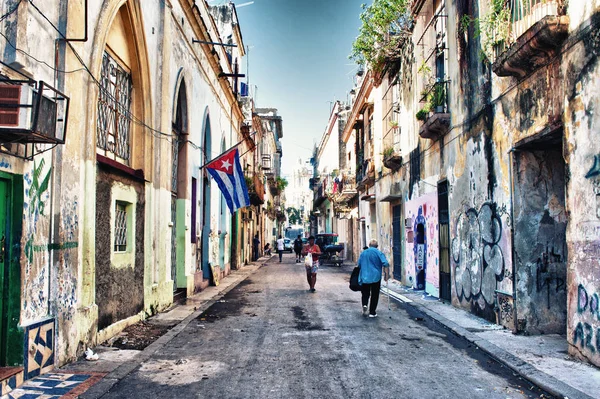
x,y
226,164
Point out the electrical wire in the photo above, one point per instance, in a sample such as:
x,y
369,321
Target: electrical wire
x,y
128,114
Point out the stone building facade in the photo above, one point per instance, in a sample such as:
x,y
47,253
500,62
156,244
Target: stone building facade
x,y
110,216
481,166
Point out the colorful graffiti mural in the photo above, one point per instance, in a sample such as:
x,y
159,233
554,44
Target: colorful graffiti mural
x,y
422,250
36,229
477,254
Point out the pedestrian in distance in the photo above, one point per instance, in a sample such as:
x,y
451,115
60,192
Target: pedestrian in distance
x,y
268,249
280,247
372,263
298,248
255,245
311,271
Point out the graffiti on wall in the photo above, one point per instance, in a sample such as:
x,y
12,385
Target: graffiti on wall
x,y
478,258
548,277
4,163
586,335
422,249
36,225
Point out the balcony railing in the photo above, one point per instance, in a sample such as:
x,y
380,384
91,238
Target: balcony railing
x,y
525,13
537,30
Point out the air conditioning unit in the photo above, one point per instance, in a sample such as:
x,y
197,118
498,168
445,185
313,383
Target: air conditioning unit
x,y
30,114
408,223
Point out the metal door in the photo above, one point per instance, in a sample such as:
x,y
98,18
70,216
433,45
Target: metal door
x,y
397,241
4,265
444,235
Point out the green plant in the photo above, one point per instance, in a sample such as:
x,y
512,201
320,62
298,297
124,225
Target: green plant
x,y
281,184
438,98
422,114
493,27
385,26
388,152
393,124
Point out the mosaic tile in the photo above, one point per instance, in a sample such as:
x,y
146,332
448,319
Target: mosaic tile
x,y
55,386
39,347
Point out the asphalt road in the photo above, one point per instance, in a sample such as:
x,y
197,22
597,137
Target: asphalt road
x,y
272,338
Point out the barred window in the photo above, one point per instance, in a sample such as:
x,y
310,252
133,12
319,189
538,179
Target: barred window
x,y
114,105
120,227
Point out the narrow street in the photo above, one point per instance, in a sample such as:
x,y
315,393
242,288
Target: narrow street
x,y
271,338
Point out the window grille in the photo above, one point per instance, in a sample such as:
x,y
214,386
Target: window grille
x,y
114,105
120,227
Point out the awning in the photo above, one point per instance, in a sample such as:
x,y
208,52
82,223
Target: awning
x,y
391,198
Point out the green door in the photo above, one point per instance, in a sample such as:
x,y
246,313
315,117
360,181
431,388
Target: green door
x,y
11,336
4,208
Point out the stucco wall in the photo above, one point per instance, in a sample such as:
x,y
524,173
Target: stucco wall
x,y
119,288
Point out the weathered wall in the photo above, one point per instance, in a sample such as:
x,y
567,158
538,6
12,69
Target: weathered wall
x,y
119,288
581,69
540,247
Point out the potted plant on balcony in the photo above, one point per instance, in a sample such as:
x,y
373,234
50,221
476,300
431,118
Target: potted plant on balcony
x,y
391,159
438,100
394,125
423,113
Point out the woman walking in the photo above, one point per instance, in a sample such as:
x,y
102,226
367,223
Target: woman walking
x,y
311,271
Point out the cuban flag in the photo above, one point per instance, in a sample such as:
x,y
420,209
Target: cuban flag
x,y
227,172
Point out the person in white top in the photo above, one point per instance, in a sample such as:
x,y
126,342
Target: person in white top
x,y
280,247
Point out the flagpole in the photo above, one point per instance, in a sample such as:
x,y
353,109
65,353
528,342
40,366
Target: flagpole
x,y
227,150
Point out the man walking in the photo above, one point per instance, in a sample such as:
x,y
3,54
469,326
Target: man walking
x,y
372,262
298,248
255,244
280,247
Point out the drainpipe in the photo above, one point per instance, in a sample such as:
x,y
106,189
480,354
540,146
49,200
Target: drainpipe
x,y
512,237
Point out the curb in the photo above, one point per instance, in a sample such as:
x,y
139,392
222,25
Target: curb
x,y
102,387
525,370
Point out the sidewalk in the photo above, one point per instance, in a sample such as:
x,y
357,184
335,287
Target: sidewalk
x,y
92,379
542,360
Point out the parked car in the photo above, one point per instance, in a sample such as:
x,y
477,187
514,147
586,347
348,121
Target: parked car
x,y
288,245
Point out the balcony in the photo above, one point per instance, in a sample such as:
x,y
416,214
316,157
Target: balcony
x,y
537,30
434,114
267,164
319,196
346,188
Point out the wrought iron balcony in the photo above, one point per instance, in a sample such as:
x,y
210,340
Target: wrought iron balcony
x,y
538,28
435,114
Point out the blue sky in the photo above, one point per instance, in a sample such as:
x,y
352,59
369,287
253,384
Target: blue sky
x,y
298,58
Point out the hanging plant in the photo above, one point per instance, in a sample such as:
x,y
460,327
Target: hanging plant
x,y
386,24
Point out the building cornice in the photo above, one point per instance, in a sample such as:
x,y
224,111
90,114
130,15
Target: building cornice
x,y
358,105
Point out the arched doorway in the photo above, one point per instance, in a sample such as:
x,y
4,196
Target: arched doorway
x,y
206,155
178,189
222,221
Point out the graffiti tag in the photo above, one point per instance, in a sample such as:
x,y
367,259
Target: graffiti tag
x,y
478,259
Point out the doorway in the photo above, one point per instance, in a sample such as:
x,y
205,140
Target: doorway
x,y
207,156
540,225
444,241
397,241
11,339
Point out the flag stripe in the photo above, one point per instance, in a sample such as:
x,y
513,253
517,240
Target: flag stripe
x,y
232,185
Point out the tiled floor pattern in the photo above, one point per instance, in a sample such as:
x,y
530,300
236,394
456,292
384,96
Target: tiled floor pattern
x,y
55,386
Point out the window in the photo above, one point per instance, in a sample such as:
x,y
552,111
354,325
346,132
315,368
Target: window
x,y
114,106
120,227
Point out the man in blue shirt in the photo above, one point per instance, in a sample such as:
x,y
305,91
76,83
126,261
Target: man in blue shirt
x,y
372,262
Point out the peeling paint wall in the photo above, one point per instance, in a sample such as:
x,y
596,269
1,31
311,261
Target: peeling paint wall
x,y
540,241
119,288
581,68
